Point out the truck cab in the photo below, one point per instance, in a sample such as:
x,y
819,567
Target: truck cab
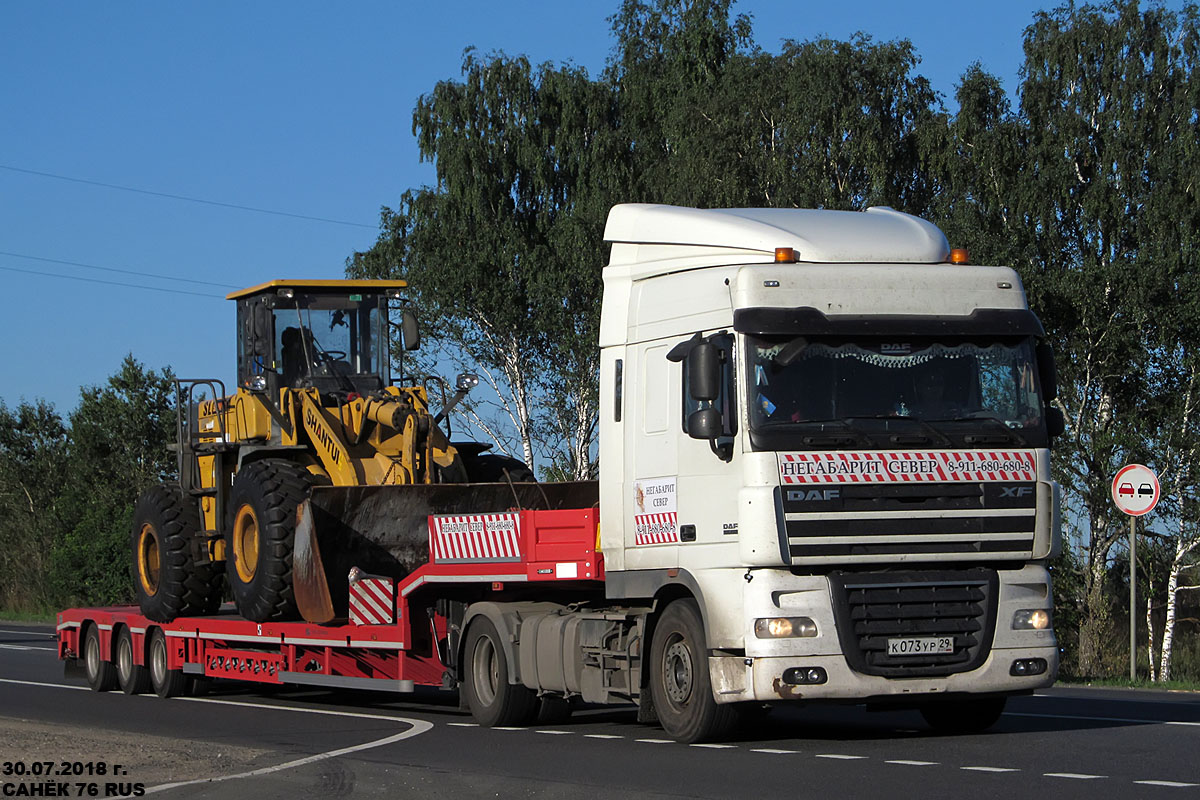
x,y
835,441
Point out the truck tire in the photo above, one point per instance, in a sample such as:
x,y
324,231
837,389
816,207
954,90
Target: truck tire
x,y
260,535
132,678
168,582
101,675
165,682
679,681
492,699
963,715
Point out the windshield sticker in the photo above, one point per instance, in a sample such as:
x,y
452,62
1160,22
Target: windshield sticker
x,y
943,466
654,517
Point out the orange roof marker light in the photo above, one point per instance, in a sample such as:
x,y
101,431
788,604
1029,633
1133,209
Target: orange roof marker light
x,y
785,255
959,255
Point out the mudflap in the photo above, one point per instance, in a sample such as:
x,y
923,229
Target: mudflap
x,y
384,530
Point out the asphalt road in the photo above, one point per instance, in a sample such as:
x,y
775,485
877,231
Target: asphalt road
x,y
234,742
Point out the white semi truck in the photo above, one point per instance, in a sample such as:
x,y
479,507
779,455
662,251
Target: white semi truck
x,y
824,476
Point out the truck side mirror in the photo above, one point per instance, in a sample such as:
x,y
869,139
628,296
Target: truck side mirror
x,y
704,373
705,424
1046,372
1056,423
409,331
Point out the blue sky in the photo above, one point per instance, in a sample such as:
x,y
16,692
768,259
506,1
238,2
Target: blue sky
x,y
301,107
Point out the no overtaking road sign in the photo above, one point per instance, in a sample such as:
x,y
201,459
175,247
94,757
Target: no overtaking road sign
x,y
1135,490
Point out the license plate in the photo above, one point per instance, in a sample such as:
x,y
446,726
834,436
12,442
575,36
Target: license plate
x,y
920,646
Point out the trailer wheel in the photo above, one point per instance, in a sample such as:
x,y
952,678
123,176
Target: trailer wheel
x,y
679,680
101,675
260,535
132,678
167,581
963,716
492,699
165,682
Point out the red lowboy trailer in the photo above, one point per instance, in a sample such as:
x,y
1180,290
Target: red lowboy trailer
x,y
400,633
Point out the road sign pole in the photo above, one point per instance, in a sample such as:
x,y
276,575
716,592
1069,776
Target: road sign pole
x,y
1133,599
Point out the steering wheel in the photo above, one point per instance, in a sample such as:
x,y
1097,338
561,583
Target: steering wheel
x,y
327,356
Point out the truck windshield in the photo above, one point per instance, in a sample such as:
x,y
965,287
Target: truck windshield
x,y
814,392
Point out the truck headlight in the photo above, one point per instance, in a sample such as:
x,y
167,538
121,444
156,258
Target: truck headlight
x,y
784,628
1031,619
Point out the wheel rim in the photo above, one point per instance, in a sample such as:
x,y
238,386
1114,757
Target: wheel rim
x,y
158,662
148,560
677,670
485,668
92,657
245,543
124,658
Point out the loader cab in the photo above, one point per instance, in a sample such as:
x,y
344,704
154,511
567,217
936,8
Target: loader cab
x,y
327,335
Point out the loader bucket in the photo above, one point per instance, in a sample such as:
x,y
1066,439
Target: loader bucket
x,y
383,530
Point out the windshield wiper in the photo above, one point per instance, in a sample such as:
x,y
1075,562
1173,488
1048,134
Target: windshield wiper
x,y
1007,434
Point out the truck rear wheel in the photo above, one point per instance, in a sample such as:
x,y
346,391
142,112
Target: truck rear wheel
x,y
963,716
492,699
168,582
679,680
132,678
101,675
165,682
260,535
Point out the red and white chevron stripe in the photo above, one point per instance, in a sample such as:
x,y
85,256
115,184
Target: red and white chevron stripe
x,y
372,600
940,466
656,528
475,538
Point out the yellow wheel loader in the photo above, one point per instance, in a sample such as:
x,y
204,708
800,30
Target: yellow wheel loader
x,y
315,407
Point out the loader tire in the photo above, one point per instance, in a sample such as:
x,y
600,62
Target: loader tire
x,y
496,468
168,582
260,535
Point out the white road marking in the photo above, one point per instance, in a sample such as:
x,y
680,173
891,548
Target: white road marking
x,y
417,726
506,728
29,633
908,763
840,756
26,647
1101,719
990,769
1075,775
716,746
602,736
557,733
463,724
772,750
656,741
47,685
1175,784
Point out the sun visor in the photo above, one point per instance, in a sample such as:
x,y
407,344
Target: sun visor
x,y
807,321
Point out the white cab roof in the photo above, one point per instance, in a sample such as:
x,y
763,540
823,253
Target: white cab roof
x,y
878,235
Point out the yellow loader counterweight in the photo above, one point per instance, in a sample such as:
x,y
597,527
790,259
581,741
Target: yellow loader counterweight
x,y
315,406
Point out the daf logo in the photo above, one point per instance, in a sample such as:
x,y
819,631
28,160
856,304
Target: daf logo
x,y
1016,491
800,495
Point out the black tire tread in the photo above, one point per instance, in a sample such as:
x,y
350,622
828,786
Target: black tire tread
x,y
702,719
279,487
185,588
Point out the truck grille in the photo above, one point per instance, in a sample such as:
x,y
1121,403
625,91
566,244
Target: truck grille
x,y
873,607
879,523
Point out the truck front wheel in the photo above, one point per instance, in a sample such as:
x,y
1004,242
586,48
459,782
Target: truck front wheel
x,y
679,681
260,535
492,699
963,716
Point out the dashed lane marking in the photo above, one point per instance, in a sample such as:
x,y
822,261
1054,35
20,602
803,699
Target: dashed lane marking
x,y
1173,784
602,736
26,647
29,633
717,746
1073,775
655,741
907,763
772,750
557,733
463,724
990,769
839,756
